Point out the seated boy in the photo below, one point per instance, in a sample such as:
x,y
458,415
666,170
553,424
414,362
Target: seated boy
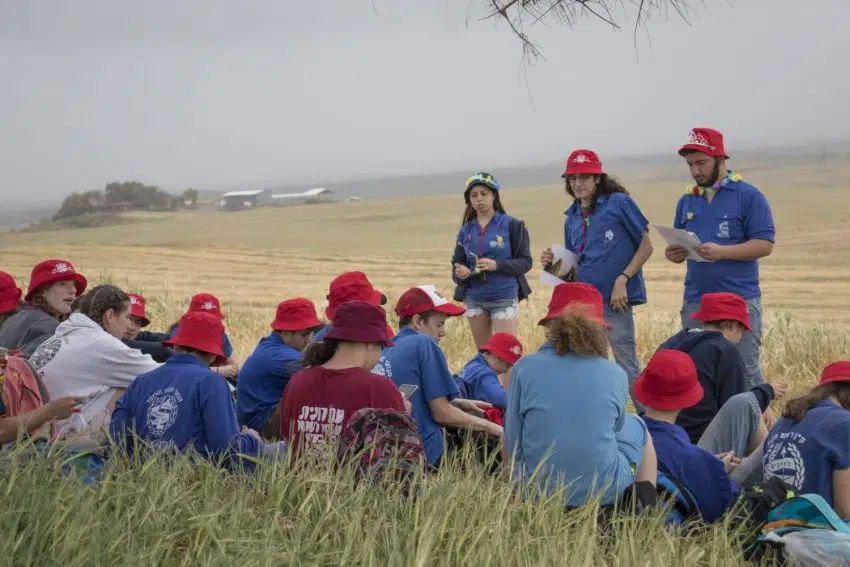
x,y
668,385
183,403
720,367
416,359
349,286
273,363
479,379
146,341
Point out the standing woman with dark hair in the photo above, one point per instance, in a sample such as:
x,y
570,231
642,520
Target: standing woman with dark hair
x,y
809,447
491,258
86,358
53,286
337,380
610,235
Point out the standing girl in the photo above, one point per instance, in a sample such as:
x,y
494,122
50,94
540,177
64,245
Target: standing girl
x,y
608,232
491,258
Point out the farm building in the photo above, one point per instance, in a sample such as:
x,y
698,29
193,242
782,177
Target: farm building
x,y
317,195
245,199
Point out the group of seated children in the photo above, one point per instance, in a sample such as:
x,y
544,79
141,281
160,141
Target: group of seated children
x,y
566,424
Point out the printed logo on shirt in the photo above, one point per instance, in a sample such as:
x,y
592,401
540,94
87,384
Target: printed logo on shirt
x,y
783,459
316,423
162,410
609,235
723,229
383,368
498,243
46,352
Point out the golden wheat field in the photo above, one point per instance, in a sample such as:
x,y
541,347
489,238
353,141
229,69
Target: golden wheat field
x,y
253,259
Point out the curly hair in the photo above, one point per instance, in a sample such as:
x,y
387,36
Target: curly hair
x,y
576,333
101,299
796,409
607,186
38,300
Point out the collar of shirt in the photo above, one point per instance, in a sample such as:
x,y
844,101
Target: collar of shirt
x,y
406,332
658,425
185,359
576,206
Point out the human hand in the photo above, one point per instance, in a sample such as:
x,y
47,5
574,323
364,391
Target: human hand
x,y
408,407
63,408
547,257
712,251
494,430
229,371
779,390
486,265
252,433
474,407
769,418
730,463
675,254
462,272
619,295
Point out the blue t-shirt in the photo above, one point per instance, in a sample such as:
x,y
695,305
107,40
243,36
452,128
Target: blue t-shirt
x,y
806,453
738,212
563,413
696,469
262,380
226,347
417,359
493,241
482,383
182,404
614,234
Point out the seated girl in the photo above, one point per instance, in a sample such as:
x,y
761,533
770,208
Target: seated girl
x,y
809,447
10,297
146,341
566,409
668,385
53,286
183,404
86,358
208,303
479,379
337,381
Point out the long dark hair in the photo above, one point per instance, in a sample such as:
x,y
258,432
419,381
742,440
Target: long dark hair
x,y
319,353
38,300
607,186
470,213
101,299
796,409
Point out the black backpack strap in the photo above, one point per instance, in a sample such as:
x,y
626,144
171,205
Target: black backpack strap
x,y
693,512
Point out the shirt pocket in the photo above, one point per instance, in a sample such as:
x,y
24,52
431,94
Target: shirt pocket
x,y
729,226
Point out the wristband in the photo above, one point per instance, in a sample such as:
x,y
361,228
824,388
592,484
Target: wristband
x,y
628,277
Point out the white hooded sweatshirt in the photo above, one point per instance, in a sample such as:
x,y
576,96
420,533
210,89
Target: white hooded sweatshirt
x,y
81,359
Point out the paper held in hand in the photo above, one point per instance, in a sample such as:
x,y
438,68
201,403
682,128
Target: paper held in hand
x,y
562,268
683,238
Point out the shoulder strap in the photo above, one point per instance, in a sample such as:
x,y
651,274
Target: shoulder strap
x,y
688,509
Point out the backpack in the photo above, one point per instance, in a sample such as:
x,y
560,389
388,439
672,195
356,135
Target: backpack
x,y
23,391
797,514
683,506
382,443
757,501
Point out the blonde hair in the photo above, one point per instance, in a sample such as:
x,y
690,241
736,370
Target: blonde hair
x,y
575,332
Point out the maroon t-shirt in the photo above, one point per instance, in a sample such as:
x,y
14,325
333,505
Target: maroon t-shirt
x,y
318,401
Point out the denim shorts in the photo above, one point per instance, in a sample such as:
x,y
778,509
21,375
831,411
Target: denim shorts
x,y
501,310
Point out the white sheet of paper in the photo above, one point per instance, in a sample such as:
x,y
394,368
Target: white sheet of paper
x,y
683,238
569,259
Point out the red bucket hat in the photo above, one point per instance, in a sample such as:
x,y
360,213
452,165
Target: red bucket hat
x,y
52,271
836,372
424,298
360,322
583,162
201,331
10,293
704,140
573,294
137,308
352,286
505,347
669,382
723,306
206,303
296,314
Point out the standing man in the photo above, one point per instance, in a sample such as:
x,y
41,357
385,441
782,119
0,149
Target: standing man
x,y
733,221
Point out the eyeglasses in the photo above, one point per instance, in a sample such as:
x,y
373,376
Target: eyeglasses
x,y
485,179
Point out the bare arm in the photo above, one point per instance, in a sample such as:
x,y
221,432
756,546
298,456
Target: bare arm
x,y
448,415
642,254
841,492
59,408
748,251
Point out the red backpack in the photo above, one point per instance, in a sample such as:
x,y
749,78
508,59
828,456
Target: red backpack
x,y
22,390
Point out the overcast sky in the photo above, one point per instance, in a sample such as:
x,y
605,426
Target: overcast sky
x,y
211,93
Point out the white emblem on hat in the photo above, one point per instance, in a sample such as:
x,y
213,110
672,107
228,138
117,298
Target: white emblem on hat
x,y
134,300
61,268
516,350
697,140
581,158
208,306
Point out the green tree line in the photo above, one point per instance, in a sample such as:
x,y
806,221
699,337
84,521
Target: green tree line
x,y
123,196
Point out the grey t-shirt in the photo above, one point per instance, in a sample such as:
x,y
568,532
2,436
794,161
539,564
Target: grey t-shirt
x,y
26,330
